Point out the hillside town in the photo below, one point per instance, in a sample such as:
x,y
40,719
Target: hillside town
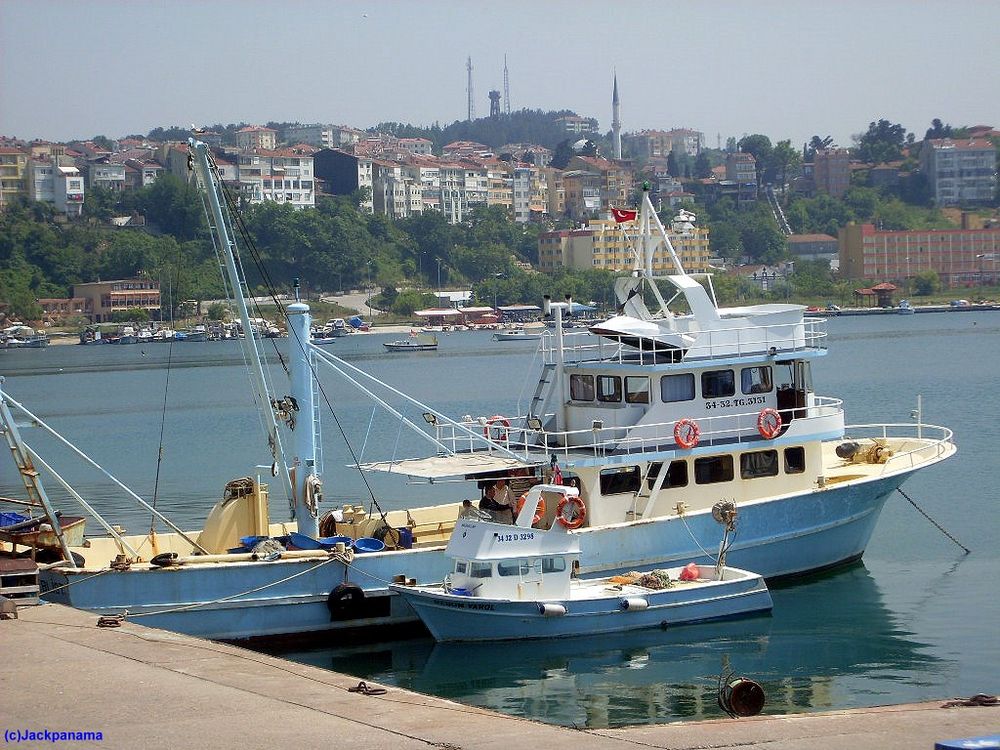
x,y
569,194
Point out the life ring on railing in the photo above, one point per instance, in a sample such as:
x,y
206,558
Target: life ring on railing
x,y
539,511
502,426
578,512
345,601
686,433
768,423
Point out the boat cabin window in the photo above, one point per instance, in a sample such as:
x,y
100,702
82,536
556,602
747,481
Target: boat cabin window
x,y
480,570
756,379
677,387
637,390
759,464
609,389
712,469
553,564
795,460
617,481
461,566
581,387
677,474
718,384
515,567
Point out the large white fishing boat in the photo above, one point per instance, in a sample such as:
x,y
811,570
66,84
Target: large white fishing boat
x,y
655,422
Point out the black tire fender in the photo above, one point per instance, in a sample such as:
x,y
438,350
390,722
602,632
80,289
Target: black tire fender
x,y
345,601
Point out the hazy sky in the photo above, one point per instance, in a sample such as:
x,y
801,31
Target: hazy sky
x,y
79,68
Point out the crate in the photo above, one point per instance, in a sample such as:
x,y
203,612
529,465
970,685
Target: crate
x,y
19,580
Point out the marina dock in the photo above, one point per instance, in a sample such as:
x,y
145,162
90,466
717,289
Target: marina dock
x,y
141,687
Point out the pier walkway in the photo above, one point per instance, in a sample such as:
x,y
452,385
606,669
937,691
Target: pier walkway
x,y
148,688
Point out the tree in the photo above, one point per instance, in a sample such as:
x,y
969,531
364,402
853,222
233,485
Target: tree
x,y
672,168
562,154
217,311
938,130
883,142
816,144
702,166
926,283
783,158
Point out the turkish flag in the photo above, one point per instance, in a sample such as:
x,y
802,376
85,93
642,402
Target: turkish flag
x,y
623,214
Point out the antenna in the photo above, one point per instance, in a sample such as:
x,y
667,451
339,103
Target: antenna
x,y
472,97
506,88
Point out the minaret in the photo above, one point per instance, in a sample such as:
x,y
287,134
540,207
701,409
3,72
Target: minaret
x,y
616,122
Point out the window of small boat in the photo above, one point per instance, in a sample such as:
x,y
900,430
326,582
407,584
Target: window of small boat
x,y
636,390
678,387
756,379
758,464
480,570
620,480
677,474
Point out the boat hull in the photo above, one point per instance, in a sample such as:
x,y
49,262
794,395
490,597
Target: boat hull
x,y
464,618
777,537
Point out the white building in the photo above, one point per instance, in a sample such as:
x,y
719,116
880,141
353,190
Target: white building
x,y
281,175
960,171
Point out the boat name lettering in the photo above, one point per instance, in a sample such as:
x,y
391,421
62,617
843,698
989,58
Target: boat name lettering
x,y
725,403
515,537
469,605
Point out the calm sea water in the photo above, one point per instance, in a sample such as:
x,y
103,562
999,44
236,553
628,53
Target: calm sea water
x,y
915,621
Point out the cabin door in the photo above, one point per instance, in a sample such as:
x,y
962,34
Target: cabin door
x,y
530,585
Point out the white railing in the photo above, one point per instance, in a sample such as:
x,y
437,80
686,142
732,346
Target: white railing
x,y
783,338
518,438
934,441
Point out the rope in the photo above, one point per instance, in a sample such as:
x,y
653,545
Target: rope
x,y
979,699
333,558
363,688
935,523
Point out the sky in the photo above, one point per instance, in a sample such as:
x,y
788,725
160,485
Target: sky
x,y
73,69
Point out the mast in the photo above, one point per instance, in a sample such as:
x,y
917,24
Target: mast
x,y
251,344
304,437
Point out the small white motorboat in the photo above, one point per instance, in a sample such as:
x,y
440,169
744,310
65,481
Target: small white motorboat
x,y
519,334
413,344
511,582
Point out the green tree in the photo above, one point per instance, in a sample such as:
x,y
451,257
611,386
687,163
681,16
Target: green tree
x,y
784,158
217,311
672,169
926,283
702,166
882,142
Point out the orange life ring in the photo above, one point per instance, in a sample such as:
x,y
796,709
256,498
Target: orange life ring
x,y
686,433
579,512
539,511
768,423
502,429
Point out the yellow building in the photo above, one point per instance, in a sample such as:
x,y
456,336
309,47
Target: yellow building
x,y
106,297
606,245
13,174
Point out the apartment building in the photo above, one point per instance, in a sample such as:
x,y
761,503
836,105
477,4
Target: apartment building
x,y
615,182
651,144
342,173
416,146
13,174
528,193
832,171
279,175
960,257
106,174
320,136
454,201
961,171
605,244
576,124
427,173
104,298
256,137
500,184
58,181
396,193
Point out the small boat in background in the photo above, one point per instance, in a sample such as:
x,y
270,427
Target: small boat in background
x,y
516,582
518,334
414,344
905,308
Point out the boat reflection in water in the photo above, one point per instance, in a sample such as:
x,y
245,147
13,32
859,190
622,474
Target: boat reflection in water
x,y
830,644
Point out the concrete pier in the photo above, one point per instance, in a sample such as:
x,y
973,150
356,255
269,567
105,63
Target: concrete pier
x,y
141,687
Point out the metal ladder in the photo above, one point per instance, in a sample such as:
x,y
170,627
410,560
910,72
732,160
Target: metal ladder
x,y
536,407
29,475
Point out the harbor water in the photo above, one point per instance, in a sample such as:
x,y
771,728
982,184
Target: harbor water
x,y
916,620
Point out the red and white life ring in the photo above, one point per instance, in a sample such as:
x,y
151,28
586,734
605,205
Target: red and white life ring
x,y
539,511
768,423
687,433
498,422
578,512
